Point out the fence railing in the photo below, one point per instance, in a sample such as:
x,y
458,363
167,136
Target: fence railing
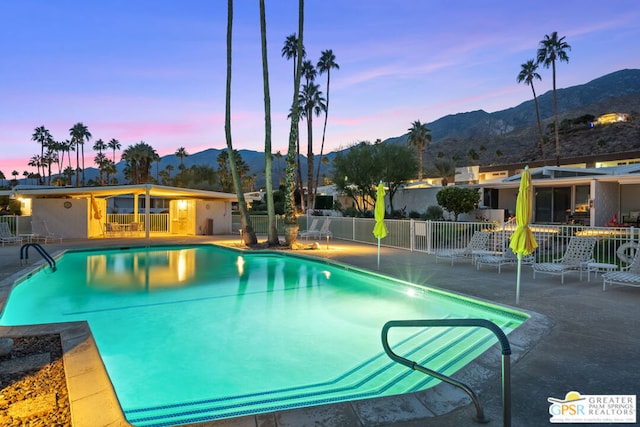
x,y
431,236
158,223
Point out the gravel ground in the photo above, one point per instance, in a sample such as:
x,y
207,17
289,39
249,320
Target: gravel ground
x,y
34,388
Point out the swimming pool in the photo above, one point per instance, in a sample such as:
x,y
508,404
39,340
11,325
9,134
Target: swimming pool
x,y
192,333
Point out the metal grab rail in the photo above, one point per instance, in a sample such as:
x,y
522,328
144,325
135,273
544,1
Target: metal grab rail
x,y
506,352
24,254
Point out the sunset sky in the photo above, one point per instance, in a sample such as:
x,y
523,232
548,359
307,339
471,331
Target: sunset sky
x,y
154,71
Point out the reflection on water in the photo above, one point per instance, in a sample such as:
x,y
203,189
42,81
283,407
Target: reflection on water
x,y
148,270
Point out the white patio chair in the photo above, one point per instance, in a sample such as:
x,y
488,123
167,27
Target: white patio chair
x,y
6,236
477,245
508,257
324,230
629,275
42,233
311,231
578,254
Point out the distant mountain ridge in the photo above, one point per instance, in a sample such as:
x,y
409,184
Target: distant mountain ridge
x,y
513,131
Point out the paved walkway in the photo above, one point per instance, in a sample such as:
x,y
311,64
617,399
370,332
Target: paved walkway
x,y
593,346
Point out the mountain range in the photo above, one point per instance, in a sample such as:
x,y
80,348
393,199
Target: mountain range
x,y
504,136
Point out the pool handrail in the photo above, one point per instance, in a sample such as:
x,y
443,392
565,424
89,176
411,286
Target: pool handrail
x,y
506,352
24,254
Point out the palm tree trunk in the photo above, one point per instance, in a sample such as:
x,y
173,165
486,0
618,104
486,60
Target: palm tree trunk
x,y
555,114
289,208
324,131
272,230
535,101
248,232
309,159
77,165
82,146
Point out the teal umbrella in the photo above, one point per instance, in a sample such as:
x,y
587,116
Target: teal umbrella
x,y
380,229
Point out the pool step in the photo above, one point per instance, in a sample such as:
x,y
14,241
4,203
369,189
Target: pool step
x,y
443,349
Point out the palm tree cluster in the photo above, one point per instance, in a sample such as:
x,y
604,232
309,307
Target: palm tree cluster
x,y
311,102
54,152
552,48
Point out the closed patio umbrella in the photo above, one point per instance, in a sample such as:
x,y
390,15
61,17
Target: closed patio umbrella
x,y
522,241
380,229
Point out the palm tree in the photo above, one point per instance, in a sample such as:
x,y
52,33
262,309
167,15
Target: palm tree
x,y
101,160
272,230
79,132
290,51
418,136
139,159
325,64
527,74
290,219
36,162
293,49
114,144
43,137
181,153
248,232
553,49
311,101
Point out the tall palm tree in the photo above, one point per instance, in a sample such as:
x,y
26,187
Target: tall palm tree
x,y
527,74
418,136
114,144
289,202
553,49
99,145
311,102
181,153
248,232
326,63
79,132
101,160
139,159
290,51
293,49
43,137
272,230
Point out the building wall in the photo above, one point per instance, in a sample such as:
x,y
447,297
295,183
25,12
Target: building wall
x,y
70,221
415,199
218,212
606,201
629,200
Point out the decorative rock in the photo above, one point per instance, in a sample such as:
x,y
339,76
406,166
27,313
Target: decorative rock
x,y
6,345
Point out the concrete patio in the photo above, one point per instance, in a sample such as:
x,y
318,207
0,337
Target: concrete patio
x,y
591,347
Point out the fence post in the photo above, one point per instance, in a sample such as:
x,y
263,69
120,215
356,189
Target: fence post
x,y
428,236
412,235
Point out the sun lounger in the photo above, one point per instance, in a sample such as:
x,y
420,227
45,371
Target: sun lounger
x,y
312,231
508,257
629,275
578,254
6,236
477,246
42,233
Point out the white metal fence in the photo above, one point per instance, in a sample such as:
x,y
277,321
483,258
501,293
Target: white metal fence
x,y
430,236
158,223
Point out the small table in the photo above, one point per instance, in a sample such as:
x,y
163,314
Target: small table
x,y
599,267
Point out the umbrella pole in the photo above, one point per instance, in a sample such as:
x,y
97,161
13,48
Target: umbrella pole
x,y
518,279
378,253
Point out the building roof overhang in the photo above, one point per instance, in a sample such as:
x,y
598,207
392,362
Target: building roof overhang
x,y
118,190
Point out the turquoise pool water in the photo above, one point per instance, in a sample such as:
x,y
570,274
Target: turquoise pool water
x,y
190,334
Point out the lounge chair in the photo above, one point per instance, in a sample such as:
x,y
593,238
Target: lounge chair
x,y
135,228
508,257
311,231
324,230
477,246
42,233
6,236
578,254
628,276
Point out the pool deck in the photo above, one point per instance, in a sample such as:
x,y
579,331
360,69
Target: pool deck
x,y
585,340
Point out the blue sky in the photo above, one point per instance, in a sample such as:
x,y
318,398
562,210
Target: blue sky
x,y
154,71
